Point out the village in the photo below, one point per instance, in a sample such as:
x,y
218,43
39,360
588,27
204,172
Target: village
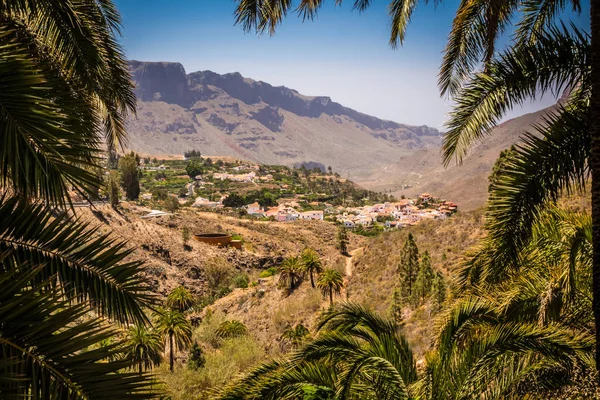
x,y
282,194
389,214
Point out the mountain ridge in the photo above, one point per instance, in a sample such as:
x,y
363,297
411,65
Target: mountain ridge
x,y
191,87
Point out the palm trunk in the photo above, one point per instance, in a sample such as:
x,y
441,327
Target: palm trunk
x,y
140,368
595,164
312,281
172,355
330,297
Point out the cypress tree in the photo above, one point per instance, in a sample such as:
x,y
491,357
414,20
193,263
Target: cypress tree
x,y
409,266
130,179
343,240
439,290
424,281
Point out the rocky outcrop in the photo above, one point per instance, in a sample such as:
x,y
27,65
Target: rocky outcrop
x,y
269,117
161,81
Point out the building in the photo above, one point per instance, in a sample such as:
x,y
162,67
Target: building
x,y
316,215
349,224
255,209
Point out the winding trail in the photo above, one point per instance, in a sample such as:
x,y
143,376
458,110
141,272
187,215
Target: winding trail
x,y
349,261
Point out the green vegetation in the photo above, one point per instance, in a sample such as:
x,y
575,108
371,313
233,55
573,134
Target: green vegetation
x,y
330,282
194,168
231,329
520,325
268,272
343,240
144,348
129,172
64,286
175,329
294,337
180,299
164,177
241,281
409,267
113,189
291,273
185,236
312,264
196,359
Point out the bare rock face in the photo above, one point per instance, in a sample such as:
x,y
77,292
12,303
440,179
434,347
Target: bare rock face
x,y
158,81
269,117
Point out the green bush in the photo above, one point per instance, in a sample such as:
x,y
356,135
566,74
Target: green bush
x,y
196,359
241,281
268,272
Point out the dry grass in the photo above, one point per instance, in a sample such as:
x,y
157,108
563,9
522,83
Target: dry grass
x,y
375,268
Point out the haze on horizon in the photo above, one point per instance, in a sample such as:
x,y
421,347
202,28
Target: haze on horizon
x,y
342,54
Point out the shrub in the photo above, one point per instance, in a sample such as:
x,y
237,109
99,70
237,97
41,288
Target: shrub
x,y
218,274
171,204
268,272
241,281
196,359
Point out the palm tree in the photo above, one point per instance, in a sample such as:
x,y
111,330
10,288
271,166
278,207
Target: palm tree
x,y
172,326
144,347
312,264
358,354
330,282
180,299
509,340
295,336
291,273
231,329
52,350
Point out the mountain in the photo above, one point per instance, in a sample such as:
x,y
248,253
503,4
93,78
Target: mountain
x,y
230,115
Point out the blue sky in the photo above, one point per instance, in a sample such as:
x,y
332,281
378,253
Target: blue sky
x,y
342,54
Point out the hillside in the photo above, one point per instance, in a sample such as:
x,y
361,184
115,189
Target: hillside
x,y
263,307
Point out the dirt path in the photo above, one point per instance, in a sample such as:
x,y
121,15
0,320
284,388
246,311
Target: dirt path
x,y
349,261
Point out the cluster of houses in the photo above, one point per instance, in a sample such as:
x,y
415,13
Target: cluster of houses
x,y
398,214
392,215
247,177
284,212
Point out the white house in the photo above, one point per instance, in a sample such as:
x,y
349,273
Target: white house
x,y
255,209
312,215
349,224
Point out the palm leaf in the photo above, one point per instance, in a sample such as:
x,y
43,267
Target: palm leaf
x,y
50,349
543,167
558,60
89,266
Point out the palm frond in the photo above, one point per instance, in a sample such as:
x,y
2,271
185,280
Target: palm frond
x,y
538,15
89,266
51,349
558,60
543,168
